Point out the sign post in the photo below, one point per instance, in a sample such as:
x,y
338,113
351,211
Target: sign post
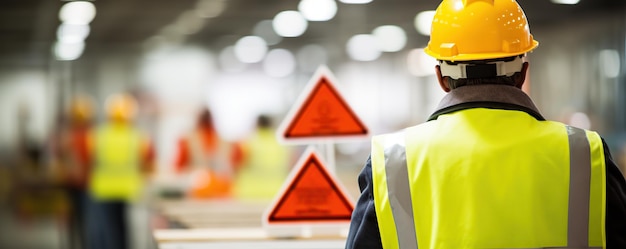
x,y
330,155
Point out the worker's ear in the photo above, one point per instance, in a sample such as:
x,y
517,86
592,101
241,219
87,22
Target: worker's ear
x,y
442,82
521,77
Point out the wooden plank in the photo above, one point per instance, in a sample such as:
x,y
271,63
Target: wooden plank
x,y
225,235
276,244
210,234
212,213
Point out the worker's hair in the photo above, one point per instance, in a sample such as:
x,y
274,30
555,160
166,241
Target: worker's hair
x,y
263,121
205,118
498,80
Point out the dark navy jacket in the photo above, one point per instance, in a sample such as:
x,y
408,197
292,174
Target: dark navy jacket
x,y
364,226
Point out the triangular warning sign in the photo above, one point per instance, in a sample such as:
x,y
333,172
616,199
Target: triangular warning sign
x,y
321,113
310,194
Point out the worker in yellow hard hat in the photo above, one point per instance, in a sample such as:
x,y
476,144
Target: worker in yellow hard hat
x,y
72,163
487,170
122,156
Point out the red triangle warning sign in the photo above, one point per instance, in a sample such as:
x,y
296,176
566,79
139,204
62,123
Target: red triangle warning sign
x,y
321,113
310,195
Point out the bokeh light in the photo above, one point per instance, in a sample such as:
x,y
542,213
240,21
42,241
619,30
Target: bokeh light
x,y
318,10
250,49
289,23
424,21
77,12
363,47
390,38
279,63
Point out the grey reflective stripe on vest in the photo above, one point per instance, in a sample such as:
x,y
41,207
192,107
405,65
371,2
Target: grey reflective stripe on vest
x,y
399,193
579,187
579,191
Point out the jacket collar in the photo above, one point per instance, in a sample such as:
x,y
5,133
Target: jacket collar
x,y
486,96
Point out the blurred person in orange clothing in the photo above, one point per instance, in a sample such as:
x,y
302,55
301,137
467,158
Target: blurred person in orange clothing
x,y
72,162
122,158
265,165
208,159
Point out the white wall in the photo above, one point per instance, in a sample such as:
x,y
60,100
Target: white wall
x,y
24,90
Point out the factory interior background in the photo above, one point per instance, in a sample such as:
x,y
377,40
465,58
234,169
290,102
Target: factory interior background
x,y
239,61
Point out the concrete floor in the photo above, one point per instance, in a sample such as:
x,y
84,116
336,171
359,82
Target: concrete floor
x,y
53,232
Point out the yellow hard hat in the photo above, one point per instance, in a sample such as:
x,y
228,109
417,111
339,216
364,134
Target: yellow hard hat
x,y
464,30
121,107
81,108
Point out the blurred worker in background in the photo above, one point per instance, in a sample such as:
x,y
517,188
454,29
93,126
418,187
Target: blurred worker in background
x,y
487,170
122,157
35,194
209,160
265,164
72,162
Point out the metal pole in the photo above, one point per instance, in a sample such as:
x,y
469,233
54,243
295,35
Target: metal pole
x,y
330,156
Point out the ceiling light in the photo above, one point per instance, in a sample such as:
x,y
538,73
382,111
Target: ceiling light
x,y
566,1
423,22
65,51
264,30
72,33
250,49
318,10
289,23
390,38
279,63
77,12
363,48
355,1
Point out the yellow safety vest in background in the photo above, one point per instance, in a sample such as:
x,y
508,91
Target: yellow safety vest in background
x,y
264,169
489,178
116,175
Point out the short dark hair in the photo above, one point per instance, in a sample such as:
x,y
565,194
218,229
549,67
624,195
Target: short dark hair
x,y
499,80
264,121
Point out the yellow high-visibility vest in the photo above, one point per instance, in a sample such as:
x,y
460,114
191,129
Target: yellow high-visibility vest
x,y
116,175
489,178
265,168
